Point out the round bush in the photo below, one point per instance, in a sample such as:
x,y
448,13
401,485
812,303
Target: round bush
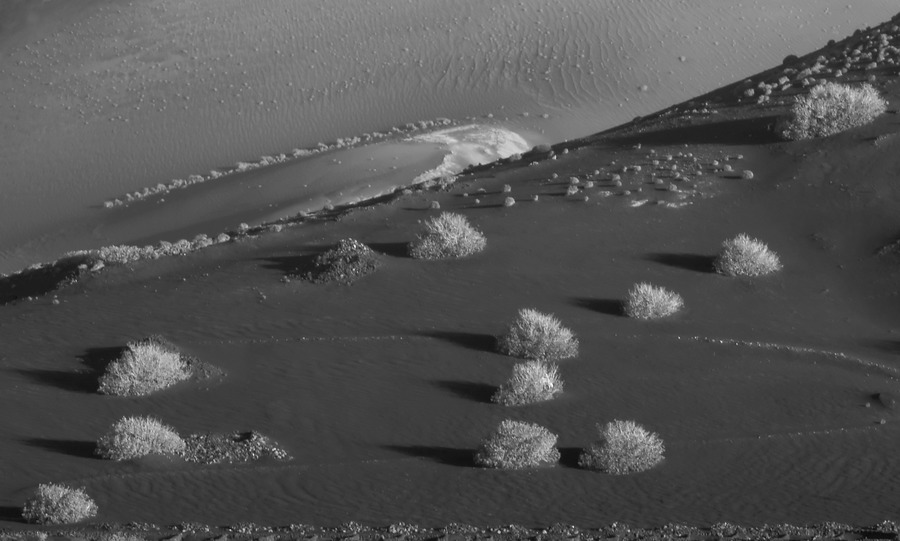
x,y
134,437
624,447
516,445
532,381
537,336
447,236
832,108
58,504
745,256
145,367
646,301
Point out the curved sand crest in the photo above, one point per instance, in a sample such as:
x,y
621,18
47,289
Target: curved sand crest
x,y
470,145
300,185
117,97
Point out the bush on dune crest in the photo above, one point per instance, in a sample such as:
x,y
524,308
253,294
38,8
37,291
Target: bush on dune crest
x,y
447,236
537,336
746,256
646,301
624,447
516,445
58,504
532,381
134,437
831,108
145,366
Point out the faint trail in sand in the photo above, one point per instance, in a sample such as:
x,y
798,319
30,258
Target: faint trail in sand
x,y
275,340
889,371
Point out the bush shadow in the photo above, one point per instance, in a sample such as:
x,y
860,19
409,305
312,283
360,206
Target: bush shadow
x,y
391,249
747,131
568,456
612,307
40,281
292,265
887,346
443,455
76,448
468,340
95,361
470,390
11,514
692,262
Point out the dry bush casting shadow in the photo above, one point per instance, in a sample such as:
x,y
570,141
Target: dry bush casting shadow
x,y
76,448
468,340
612,307
691,262
443,455
470,390
391,249
749,131
95,361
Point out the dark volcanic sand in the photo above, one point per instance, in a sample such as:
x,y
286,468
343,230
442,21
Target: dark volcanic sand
x,y
766,391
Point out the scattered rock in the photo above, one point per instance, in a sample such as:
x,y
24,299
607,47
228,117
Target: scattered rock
x,y
349,261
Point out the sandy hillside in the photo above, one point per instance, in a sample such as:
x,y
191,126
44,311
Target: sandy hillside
x,y
776,396
113,97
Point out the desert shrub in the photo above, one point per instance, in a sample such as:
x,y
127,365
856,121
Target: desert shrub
x,y
516,445
345,263
745,256
445,236
145,366
832,108
623,447
532,381
537,336
646,301
134,437
58,504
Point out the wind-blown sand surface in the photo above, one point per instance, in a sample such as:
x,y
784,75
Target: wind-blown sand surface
x,y
106,98
776,397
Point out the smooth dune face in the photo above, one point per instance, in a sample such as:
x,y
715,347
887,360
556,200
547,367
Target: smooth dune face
x,y
111,97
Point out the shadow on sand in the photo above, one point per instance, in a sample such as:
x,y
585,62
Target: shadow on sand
x,y
469,340
76,448
291,265
443,455
568,456
11,514
470,390
612,307
749,131
391,249
40,281
691,262
95,361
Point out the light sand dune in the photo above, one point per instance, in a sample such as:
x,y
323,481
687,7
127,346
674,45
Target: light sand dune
x,y
112,97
